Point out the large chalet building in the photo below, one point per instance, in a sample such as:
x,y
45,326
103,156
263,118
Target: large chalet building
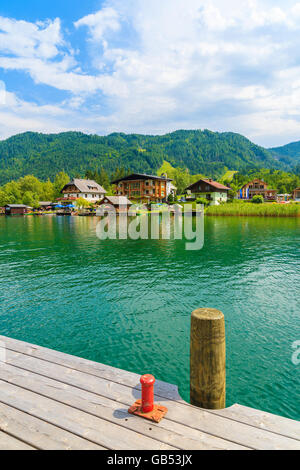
x,y
257,187
81,188
211,190
142,187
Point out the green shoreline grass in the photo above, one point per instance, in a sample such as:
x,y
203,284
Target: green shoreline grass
x,y
260,210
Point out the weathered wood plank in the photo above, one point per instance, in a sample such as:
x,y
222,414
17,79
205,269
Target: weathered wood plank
x,y
84,425
267,421
262,420
167,431
90,367
11,443
180,412
38,433
270,423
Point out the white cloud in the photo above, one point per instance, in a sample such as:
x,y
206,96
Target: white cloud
x,y
24,39
2,93
100,23
18,116
160,65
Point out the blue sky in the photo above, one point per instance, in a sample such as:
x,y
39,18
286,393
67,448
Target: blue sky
x,y
143,66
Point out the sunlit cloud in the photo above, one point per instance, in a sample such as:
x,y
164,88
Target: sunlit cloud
x,y
157,66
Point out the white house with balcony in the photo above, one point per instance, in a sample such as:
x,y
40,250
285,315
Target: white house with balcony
x,y
86,189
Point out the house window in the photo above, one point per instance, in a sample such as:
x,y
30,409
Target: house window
x,y
86,196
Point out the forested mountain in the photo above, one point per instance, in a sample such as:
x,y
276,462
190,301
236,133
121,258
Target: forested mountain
x,y
288,154
204,152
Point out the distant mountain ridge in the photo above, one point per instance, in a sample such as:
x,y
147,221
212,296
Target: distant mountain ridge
x,y
288,154
201,151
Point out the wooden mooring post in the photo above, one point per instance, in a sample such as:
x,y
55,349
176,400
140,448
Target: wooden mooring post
x,y
208,359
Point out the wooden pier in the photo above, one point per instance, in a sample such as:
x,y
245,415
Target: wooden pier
x,y
51,400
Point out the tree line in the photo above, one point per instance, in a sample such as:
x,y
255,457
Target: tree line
x,y
30,190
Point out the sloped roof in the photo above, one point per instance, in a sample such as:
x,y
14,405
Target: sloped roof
x,y
85,186
119,200
16,205
140,176
212,183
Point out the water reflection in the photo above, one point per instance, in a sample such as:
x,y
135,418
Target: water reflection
x,y
128,302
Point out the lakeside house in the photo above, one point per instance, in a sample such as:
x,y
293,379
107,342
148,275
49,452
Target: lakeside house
x,y
257,187
213,191
145,188
17,209
85,189
113,204
296,194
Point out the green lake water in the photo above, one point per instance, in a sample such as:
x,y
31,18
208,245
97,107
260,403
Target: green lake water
x,y
128,303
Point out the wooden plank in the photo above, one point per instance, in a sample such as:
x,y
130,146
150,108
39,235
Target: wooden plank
x,y
267,421
179,412
99,431
238,432
262,420
90,367
40,434
11,443
287,427
167,431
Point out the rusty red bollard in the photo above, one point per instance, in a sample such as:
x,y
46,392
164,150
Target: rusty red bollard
x,y
147,382
146,407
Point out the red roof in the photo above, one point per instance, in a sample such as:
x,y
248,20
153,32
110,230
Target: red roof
x,y
216,185
212,183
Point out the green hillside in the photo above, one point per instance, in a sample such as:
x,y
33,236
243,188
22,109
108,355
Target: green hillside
x,y
287,154
202,152
167,168
229,175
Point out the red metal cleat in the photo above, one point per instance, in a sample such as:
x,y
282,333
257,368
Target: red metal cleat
x,y
146,407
